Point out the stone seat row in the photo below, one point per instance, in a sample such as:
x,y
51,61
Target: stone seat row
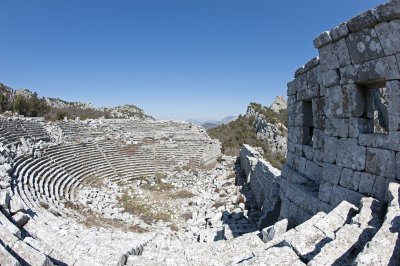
x,y
46,179
24,128
49,239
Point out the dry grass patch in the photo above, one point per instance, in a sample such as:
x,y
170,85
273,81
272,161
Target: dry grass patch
x,y
142,209
182,194
93,219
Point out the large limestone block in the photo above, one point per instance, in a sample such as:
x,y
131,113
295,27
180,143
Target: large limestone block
x,y
388,33
334,55
330,78
383,248
388,11
319,157
303,197
389,141
371,71
313,171
344,101
325,192
339,31
308,242
277,256
355,181
371,213
336,218
299,135
364,46
350,154
293,176
274,231
16,205
345,177
318,138
6,258
366,183
314,78
330,149
311,64
291,88
308,152
393,90
379,190
359,126
381,162
20,219
5,199
308,94
339,251
323,39
340,194
337,127
331,173
362,21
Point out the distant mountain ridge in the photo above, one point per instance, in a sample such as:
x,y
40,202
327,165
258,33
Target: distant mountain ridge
x,y
212,123
22,100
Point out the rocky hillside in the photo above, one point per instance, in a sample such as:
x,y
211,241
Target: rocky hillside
x,y
270,124
261,126
27,103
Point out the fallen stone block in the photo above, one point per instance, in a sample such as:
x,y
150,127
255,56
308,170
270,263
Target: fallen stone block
x,y
308,242
276,230
20,219
16,205
340,249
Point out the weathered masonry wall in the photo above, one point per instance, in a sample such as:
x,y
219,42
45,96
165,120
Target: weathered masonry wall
x,y
264,182
344,117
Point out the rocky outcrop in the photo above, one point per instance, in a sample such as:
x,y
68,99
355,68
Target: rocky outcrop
x,y
272,131
279,104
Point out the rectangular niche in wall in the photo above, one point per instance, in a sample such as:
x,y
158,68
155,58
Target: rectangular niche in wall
x,y
308,122
376,107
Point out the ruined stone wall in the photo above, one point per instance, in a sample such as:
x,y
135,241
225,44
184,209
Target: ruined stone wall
x,y
339,145
264,182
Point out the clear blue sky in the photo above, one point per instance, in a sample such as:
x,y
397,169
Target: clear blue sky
x,y
178,59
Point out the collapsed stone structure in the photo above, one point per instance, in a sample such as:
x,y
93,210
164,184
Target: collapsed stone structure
x,y
343,148
334,149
